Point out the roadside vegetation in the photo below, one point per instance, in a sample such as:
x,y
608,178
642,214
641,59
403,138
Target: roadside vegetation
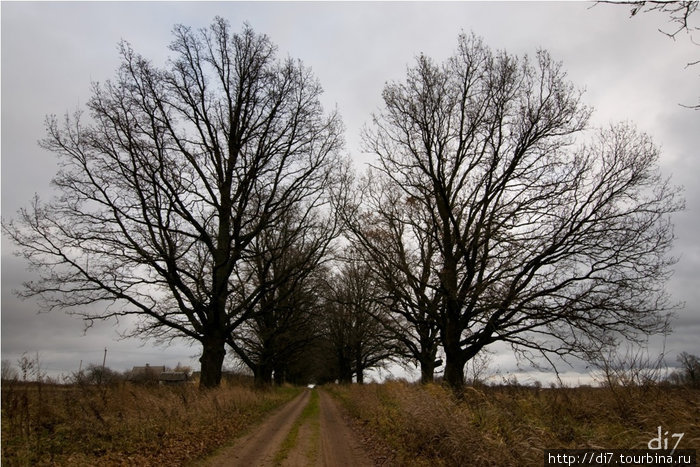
x,y
418,425
124,423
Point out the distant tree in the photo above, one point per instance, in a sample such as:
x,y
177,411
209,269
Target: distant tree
x,y
477,368
354,324
690,369
164,190
9,372
95,374
548,237
30,368
392,234
630,366
287,261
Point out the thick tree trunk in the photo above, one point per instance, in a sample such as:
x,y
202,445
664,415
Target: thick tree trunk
x,y
280,375
212,360
263,375
345,371
428,363
454,372
454,358
427,371
359,370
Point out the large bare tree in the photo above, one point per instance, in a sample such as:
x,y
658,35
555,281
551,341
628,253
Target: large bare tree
x,y
550,236
392,234
176,172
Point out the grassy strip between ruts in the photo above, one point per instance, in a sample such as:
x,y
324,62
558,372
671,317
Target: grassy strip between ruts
x,y
312,452
311,414
512,425
126,424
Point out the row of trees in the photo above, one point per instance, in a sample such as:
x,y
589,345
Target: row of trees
x,y
210,201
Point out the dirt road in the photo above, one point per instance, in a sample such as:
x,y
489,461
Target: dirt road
x,y
308,431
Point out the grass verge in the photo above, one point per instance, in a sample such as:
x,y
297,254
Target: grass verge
x,y
126,424
428,425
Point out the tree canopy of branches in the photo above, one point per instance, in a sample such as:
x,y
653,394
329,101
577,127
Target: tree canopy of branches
x,y
680,14
391,235
689,373
286,267
355,325
547,235
168,184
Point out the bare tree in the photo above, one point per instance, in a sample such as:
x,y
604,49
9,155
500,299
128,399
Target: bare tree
x,y
177,172
549,237
288,259
392,235
354,327
690,369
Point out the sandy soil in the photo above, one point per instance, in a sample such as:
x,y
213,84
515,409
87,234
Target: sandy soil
x,y
325,440
259,447
339,447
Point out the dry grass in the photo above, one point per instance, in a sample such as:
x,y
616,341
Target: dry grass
x,y
125,424
428,425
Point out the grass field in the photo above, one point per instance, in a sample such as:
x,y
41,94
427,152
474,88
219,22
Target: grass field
x,y
404,424
125,424
428,425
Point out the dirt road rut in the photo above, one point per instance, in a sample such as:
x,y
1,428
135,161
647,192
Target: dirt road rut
x,y
308,431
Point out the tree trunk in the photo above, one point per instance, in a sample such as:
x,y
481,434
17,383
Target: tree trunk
x,y
345,371
454,372
427,371
359,369
280,375
428,363
454,358
263,375
212,360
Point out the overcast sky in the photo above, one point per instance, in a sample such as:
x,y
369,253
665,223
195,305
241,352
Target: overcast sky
x,y
51,52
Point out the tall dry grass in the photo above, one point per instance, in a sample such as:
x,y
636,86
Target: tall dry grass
x,y
125,424
428,425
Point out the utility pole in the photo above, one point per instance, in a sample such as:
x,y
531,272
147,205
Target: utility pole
x,y
104,359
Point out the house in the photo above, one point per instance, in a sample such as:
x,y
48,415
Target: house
x,y
145,374
159,374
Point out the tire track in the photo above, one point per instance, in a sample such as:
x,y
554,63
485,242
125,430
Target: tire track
x,y
323,439
259,447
